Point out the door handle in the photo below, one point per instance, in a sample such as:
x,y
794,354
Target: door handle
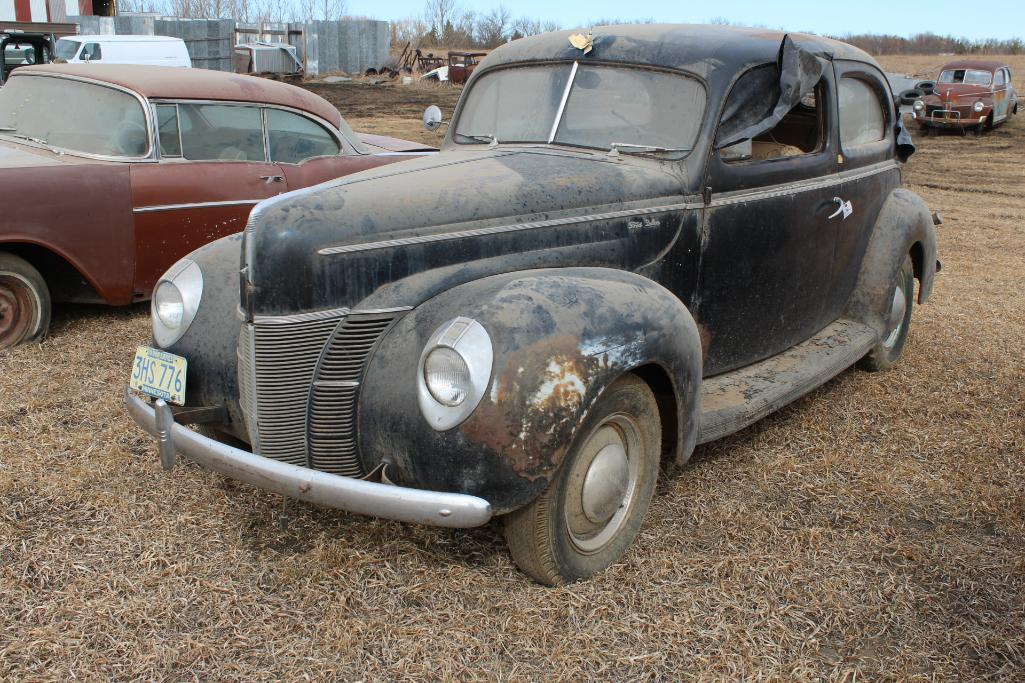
x,y
272,179
843,207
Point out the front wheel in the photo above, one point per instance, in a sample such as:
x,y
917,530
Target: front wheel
x,y
592,510
24,302
885,354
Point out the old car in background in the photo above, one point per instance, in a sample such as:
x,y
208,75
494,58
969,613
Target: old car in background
x,y
19,49
969,94
631,243
113,173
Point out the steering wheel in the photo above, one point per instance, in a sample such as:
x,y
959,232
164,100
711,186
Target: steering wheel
x,y
130,138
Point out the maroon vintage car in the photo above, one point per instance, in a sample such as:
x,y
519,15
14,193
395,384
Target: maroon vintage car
x,y
110,174
970,94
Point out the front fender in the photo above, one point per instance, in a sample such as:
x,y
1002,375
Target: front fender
x,y
560,338
904,226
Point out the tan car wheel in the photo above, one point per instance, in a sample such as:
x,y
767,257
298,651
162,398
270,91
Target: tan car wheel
x,y
592,510
24,302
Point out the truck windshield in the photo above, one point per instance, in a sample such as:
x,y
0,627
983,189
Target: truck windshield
x,y
632,109
67,49
74,116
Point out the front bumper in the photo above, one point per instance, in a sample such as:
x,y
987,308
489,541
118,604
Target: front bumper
x,y
308,485
938,119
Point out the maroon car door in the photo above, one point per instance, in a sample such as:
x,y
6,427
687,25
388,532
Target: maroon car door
x,y
212,169
309,153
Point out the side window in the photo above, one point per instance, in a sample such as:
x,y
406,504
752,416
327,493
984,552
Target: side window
x,y
999,82
800,132
167,130
221,132
91,52
862,117
294,138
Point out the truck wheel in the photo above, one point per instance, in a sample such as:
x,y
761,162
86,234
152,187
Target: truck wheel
x,y
24,302
885,354
592,510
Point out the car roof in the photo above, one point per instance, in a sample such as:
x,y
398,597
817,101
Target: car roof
x,y
168,82
124,39
982,64
713,52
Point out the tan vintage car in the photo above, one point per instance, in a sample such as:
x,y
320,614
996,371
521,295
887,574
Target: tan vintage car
x,y
110,174
969,95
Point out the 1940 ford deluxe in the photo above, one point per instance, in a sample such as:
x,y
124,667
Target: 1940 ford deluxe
x,y
631,243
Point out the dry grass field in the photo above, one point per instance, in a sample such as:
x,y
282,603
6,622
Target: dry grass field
x,y
873,529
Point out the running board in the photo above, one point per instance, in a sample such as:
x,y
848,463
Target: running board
x,y
734,400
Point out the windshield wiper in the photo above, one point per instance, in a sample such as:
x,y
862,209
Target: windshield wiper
x,y
627,148
22,136
492,140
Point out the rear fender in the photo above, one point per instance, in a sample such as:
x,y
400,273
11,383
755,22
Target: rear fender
x,y
904,226
560,337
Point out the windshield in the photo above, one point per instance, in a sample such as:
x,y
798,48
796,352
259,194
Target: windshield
x,y
970,76
634,109
67,49
73,115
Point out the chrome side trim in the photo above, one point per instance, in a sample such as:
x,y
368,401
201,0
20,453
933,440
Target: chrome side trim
x,y
195,205
500,229
404,154
302,483
729,198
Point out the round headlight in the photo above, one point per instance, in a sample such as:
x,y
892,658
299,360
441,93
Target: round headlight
x,y
176,301
919,105
447,376
978,106
168,305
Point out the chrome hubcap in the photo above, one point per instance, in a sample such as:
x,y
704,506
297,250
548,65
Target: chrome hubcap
x,y
602,481
898,307
605,484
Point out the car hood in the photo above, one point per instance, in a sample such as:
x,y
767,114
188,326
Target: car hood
x,y
958,90
335,244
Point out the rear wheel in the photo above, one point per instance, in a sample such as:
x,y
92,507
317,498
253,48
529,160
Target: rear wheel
x,y
24,302
592,510
885,354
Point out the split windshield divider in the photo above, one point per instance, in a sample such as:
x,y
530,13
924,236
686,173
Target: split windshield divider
x,y
562,104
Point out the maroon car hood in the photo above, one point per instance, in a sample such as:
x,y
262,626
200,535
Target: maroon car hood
x,y
960,90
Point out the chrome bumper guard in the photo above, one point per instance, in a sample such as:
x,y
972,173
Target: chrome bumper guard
x,y
310,486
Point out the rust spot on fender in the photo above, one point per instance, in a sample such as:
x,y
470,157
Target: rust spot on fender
x,y
535,403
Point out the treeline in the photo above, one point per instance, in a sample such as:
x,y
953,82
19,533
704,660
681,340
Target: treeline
x,y
932,44
444,23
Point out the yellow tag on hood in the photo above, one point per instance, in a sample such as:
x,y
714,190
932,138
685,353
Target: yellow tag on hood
x,y
582,42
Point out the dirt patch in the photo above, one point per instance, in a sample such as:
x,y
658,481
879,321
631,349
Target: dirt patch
x,y
874,529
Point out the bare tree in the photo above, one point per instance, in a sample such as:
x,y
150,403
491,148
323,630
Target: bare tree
x,y
493,27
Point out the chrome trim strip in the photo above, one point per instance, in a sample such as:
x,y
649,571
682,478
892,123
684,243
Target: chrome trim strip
x,y
562,103
724,199
299,317
344,383
405,154
501,229
195,205
730,198
311,486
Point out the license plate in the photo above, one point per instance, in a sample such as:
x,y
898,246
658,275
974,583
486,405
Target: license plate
x,y
159,374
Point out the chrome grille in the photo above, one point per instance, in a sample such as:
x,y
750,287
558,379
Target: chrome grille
x,y
332,425
277,359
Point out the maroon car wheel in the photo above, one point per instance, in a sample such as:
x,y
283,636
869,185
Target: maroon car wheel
x,y
24,302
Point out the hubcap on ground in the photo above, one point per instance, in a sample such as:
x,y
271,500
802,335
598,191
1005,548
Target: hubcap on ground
x,y
15,303
602,481
898,307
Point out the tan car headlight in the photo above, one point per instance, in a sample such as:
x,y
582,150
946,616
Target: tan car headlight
x,y
978,106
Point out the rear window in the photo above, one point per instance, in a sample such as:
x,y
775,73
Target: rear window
x,y
72,115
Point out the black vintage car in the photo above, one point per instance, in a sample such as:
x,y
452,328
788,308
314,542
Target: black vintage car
x,y
633,242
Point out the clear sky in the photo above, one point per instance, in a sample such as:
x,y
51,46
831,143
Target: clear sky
x,y
1000,19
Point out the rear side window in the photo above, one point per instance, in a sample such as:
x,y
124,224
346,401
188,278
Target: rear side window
x,y
294,138
218,132
862,117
